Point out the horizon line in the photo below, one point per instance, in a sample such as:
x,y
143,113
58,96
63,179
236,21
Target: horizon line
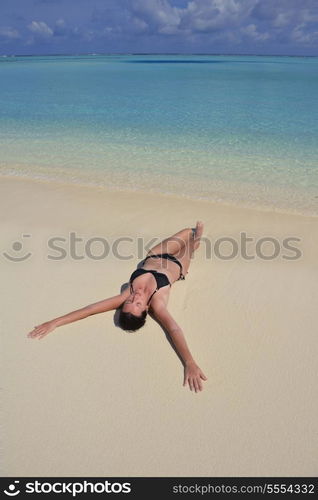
x,y
156,54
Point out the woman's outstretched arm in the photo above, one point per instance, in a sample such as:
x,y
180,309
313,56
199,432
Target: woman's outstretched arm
x,y
98,307
192,373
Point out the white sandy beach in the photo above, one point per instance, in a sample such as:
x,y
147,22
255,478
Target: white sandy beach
x,y
92,400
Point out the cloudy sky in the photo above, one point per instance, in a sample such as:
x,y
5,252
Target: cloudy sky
x,y
159,26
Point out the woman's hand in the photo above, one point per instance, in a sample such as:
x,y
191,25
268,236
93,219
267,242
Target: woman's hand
x,y
41,330
193,375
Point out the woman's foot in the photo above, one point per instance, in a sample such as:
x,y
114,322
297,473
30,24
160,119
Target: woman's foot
x,y
197,233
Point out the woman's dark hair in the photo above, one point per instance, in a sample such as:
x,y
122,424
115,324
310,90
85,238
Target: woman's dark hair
x,y
130,322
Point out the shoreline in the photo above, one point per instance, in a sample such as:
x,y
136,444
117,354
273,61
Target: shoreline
x,y
78,177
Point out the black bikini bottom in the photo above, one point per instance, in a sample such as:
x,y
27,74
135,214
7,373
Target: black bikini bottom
x,y
168,256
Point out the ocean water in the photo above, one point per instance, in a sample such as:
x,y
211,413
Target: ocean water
x,y
236,129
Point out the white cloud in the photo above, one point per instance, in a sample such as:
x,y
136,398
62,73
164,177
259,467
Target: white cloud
x,y
60,23
199,16
198,22
9,33
60,29
209,15
282,19
251,31
40,28
309,17
229,20
139,24
158,13
298,35
85,34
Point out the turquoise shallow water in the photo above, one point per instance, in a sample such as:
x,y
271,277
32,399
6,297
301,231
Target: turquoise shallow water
x,y
240,129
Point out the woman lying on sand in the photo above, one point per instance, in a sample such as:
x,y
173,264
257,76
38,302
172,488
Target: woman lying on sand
x,y
149,290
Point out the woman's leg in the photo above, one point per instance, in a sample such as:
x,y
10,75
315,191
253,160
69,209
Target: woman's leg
x,y
186,253
174,244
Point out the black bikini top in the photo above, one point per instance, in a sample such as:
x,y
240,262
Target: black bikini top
x,y
161,279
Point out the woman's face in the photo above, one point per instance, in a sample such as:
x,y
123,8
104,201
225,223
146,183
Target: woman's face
x,y
136,303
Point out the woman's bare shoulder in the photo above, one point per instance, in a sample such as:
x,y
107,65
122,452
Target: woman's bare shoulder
x,y
160,300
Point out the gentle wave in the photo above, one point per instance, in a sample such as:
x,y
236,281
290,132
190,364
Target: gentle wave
x,y
254,196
